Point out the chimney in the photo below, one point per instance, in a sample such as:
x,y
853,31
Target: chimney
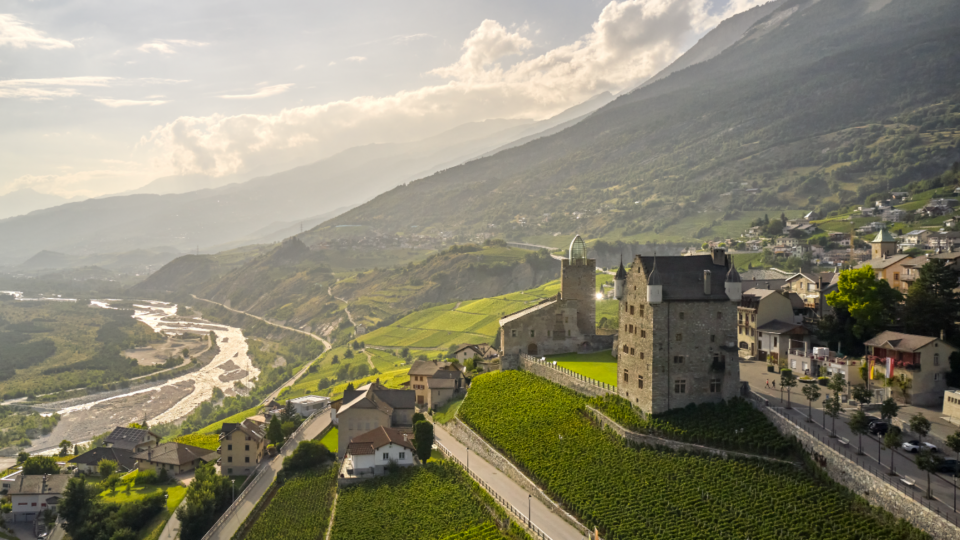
x,y
942,335
706,282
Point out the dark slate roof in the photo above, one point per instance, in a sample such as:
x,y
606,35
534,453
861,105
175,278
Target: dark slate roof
x,y
682,277
36,484
371,441
128,438
733,276
777,326
396,399
248,426
621,272
122,456
173,453
763,284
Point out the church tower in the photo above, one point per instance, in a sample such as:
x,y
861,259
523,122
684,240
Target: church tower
x,y
578,281
884,245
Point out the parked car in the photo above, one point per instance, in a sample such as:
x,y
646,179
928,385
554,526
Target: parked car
x,y
879,428
871,419
914,446
950,466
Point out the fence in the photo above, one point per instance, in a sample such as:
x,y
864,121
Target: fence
x,y
602,386
261,468
525,519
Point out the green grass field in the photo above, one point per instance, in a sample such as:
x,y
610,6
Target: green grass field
x,y
447,412
330,440
600,366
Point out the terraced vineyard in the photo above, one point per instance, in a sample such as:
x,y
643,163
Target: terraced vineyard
x,y
633,493
427,503
301,508
487,531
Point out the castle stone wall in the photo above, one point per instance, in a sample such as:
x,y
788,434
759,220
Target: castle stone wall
x,y
563,377
578,281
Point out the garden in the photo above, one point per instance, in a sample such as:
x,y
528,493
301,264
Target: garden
x,y
638,492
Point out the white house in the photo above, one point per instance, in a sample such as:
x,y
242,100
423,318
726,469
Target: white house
x,y
307,405
34,493
369,453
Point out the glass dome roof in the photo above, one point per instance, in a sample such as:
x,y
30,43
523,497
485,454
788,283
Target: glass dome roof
x,y
578,249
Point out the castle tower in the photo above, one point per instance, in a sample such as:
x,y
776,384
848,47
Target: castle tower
x,y
578,281
620,281
884,245
733,286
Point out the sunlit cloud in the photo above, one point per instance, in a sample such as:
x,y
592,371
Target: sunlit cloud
x,y
167,46
115,103
47,89
264,92
18,34
355,59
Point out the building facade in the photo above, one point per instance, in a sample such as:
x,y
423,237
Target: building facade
x,y
175,458
242,446
369,407
31,494
920,365
435,383
758,307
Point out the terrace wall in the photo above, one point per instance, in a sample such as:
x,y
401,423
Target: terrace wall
x,y
564,377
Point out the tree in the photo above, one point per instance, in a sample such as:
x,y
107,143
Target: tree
x,y
837,383
307,454
889,409
65,447
111,481
22,456
287,428
208,495
275,431
418,417
862,394
953,376
348,353
869,300
349,388
335,360
858,424
288,412
106,467
787,380
920,425
953,442
831,406
892,440
812,393
932,305
41,465
928,462
423,439
75,503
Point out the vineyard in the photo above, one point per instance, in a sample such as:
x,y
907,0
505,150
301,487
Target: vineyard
x,y
427,503
301,508
644,493
486,531
733,425
210,441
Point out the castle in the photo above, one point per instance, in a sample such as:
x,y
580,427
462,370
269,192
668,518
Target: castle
x,y
677,326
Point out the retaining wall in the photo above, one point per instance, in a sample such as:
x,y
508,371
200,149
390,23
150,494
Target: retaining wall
x,y
564,377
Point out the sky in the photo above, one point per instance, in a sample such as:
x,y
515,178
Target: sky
x,y
104,96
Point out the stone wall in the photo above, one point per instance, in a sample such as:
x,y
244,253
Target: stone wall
x,y
563,377
482,448
649,440
865,484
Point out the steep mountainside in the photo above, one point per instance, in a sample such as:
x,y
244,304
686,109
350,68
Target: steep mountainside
x,y
819,102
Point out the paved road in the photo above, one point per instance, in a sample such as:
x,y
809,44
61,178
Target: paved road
x,y
943,486
255,490
555,526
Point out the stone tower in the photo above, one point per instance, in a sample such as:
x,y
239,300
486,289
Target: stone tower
x,y
620,281
884,245
578,281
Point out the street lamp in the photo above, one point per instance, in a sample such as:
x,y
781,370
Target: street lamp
x,y
234,482
529,516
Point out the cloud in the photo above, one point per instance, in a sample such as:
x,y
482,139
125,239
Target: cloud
x,y
355,59
128,102
165,46
113,176
17,34
494,77
266,91
47,89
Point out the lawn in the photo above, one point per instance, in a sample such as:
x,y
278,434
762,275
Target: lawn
x,y
449,411
152,529
599,365
330,440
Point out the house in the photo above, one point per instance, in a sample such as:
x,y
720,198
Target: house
x,y
951,404
809,287
307,405
468,351
370,406
754,232
943,241
915,238
435,383
788,241
901,195
811,215
920,364
911,269
885,261
676,331
7,482
799,228
893,215
242,446
757,308
369,453
173,457
31,494
132,439
786,343
89,461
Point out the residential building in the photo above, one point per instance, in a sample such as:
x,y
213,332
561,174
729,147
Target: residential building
x,y
889,269
435,383
757,308
7,482
677,344
788,241
901,195
943,241
893,215
468,351
915,238
810,288
370,406
920,365
173,457
31,494
132,439
785,344
368,454
89,461
242,446
951,406
799,228
307,405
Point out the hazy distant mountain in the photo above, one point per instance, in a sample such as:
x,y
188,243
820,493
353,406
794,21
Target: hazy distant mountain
x,y
138,261
182,184
27,200
239,212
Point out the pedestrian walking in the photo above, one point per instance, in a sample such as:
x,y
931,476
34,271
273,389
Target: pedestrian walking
x,y
774,385
767,384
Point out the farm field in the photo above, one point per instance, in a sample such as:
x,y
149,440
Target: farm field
x,y
300,509
640,493
330,440
599,365
431,502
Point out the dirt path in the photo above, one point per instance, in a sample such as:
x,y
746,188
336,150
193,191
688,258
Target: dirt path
x,y
346,305
369,359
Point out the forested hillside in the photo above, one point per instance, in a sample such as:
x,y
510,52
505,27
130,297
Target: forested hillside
x,y
820,102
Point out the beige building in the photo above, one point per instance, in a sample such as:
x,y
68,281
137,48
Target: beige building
x,y
242,446
480,352
890,269
951,406
371,406
435,383
810,287
757,308
677,343
175,458
920,362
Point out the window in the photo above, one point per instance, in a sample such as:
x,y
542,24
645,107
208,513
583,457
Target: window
x,y
568,333
403,455
629,328
677,359
632,351
896,276
641,356
753,317
681,315
640,311
643,333
680,386
229,471
626,375
513,333
679,337
549,333
229,447
713,338
229,459
740,317
719,315
247,447
714,385
631,310
936,376
936,359
246,459
774,341
533,333
386,456
626,349
640,382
